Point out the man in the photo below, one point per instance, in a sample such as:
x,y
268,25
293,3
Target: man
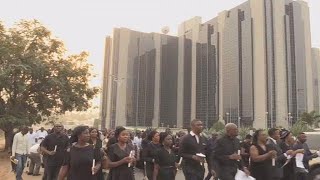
x,y
35,158
307,156
54,147
20,150
245,149
274,137
226,158
137,139
191,145
41,133
32,137
210,146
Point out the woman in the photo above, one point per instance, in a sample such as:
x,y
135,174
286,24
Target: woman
x,y
94,138
97,144
148,153
287,144
165,167
82,161
118,157
261,156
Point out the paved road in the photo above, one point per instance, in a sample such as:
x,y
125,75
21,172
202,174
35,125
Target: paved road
x,y
139,176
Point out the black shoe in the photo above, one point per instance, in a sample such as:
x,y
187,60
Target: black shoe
x,y
30,173
37,175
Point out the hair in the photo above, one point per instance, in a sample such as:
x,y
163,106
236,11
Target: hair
x,y
118,131
151,134
163,135
255,136
248,136
93,128
194,121
272,131
76,132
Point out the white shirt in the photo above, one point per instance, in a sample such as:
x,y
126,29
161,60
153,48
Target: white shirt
x,y
42,134
32,138
273,140
193,134
20,144
34,148
137,141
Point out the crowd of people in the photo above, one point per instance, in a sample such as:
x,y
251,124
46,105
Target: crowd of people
x,y
89,154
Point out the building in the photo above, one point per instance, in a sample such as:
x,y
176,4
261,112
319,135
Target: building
x,y
316,78
250,65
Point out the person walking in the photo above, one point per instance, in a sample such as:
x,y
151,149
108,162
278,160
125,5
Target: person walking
x,y
192,149
97,144
227,158
148,153
54,147
261,156
20,150
83,160
165,166
119,157
35,159
209,153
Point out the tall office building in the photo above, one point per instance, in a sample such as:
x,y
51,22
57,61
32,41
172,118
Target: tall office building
x,y
250,65
316,78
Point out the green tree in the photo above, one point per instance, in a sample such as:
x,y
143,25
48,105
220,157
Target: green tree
x,y
312,118
38,78
299,127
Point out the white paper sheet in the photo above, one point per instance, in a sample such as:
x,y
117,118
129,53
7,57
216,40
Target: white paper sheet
x,y
299,160
242,176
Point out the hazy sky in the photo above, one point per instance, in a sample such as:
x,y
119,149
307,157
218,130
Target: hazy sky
x,y
83,24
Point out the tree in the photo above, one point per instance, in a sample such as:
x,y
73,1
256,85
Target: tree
x,y
312,118
38,78
299,127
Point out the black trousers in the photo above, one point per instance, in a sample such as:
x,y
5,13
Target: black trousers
x,y
193,173
52,172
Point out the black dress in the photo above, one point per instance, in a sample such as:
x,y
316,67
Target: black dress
x,y
288,170
122,172
166,161
262,170
148,155
80,161
98,147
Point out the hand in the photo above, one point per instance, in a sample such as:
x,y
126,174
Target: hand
x,y
197,158
95,170
289,152
235,157
213,173
133,160
299,151
246,171
272,153
51,153
126,160
178,166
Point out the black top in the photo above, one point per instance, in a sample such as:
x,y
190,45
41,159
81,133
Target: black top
x,y
98,143
246,147
122,172
80,162
262,170
165,159
288,170
190,147
62,143
149,153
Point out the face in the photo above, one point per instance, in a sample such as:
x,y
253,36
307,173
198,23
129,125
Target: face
x,y
58,128
94,133
111,134
156,137
276,135
30,131
84,136
24,130
124,136
167,141
197,127
302,138
233,131
262,136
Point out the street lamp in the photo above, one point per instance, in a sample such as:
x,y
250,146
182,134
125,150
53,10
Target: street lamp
x,y
227,117
289,115
267,120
